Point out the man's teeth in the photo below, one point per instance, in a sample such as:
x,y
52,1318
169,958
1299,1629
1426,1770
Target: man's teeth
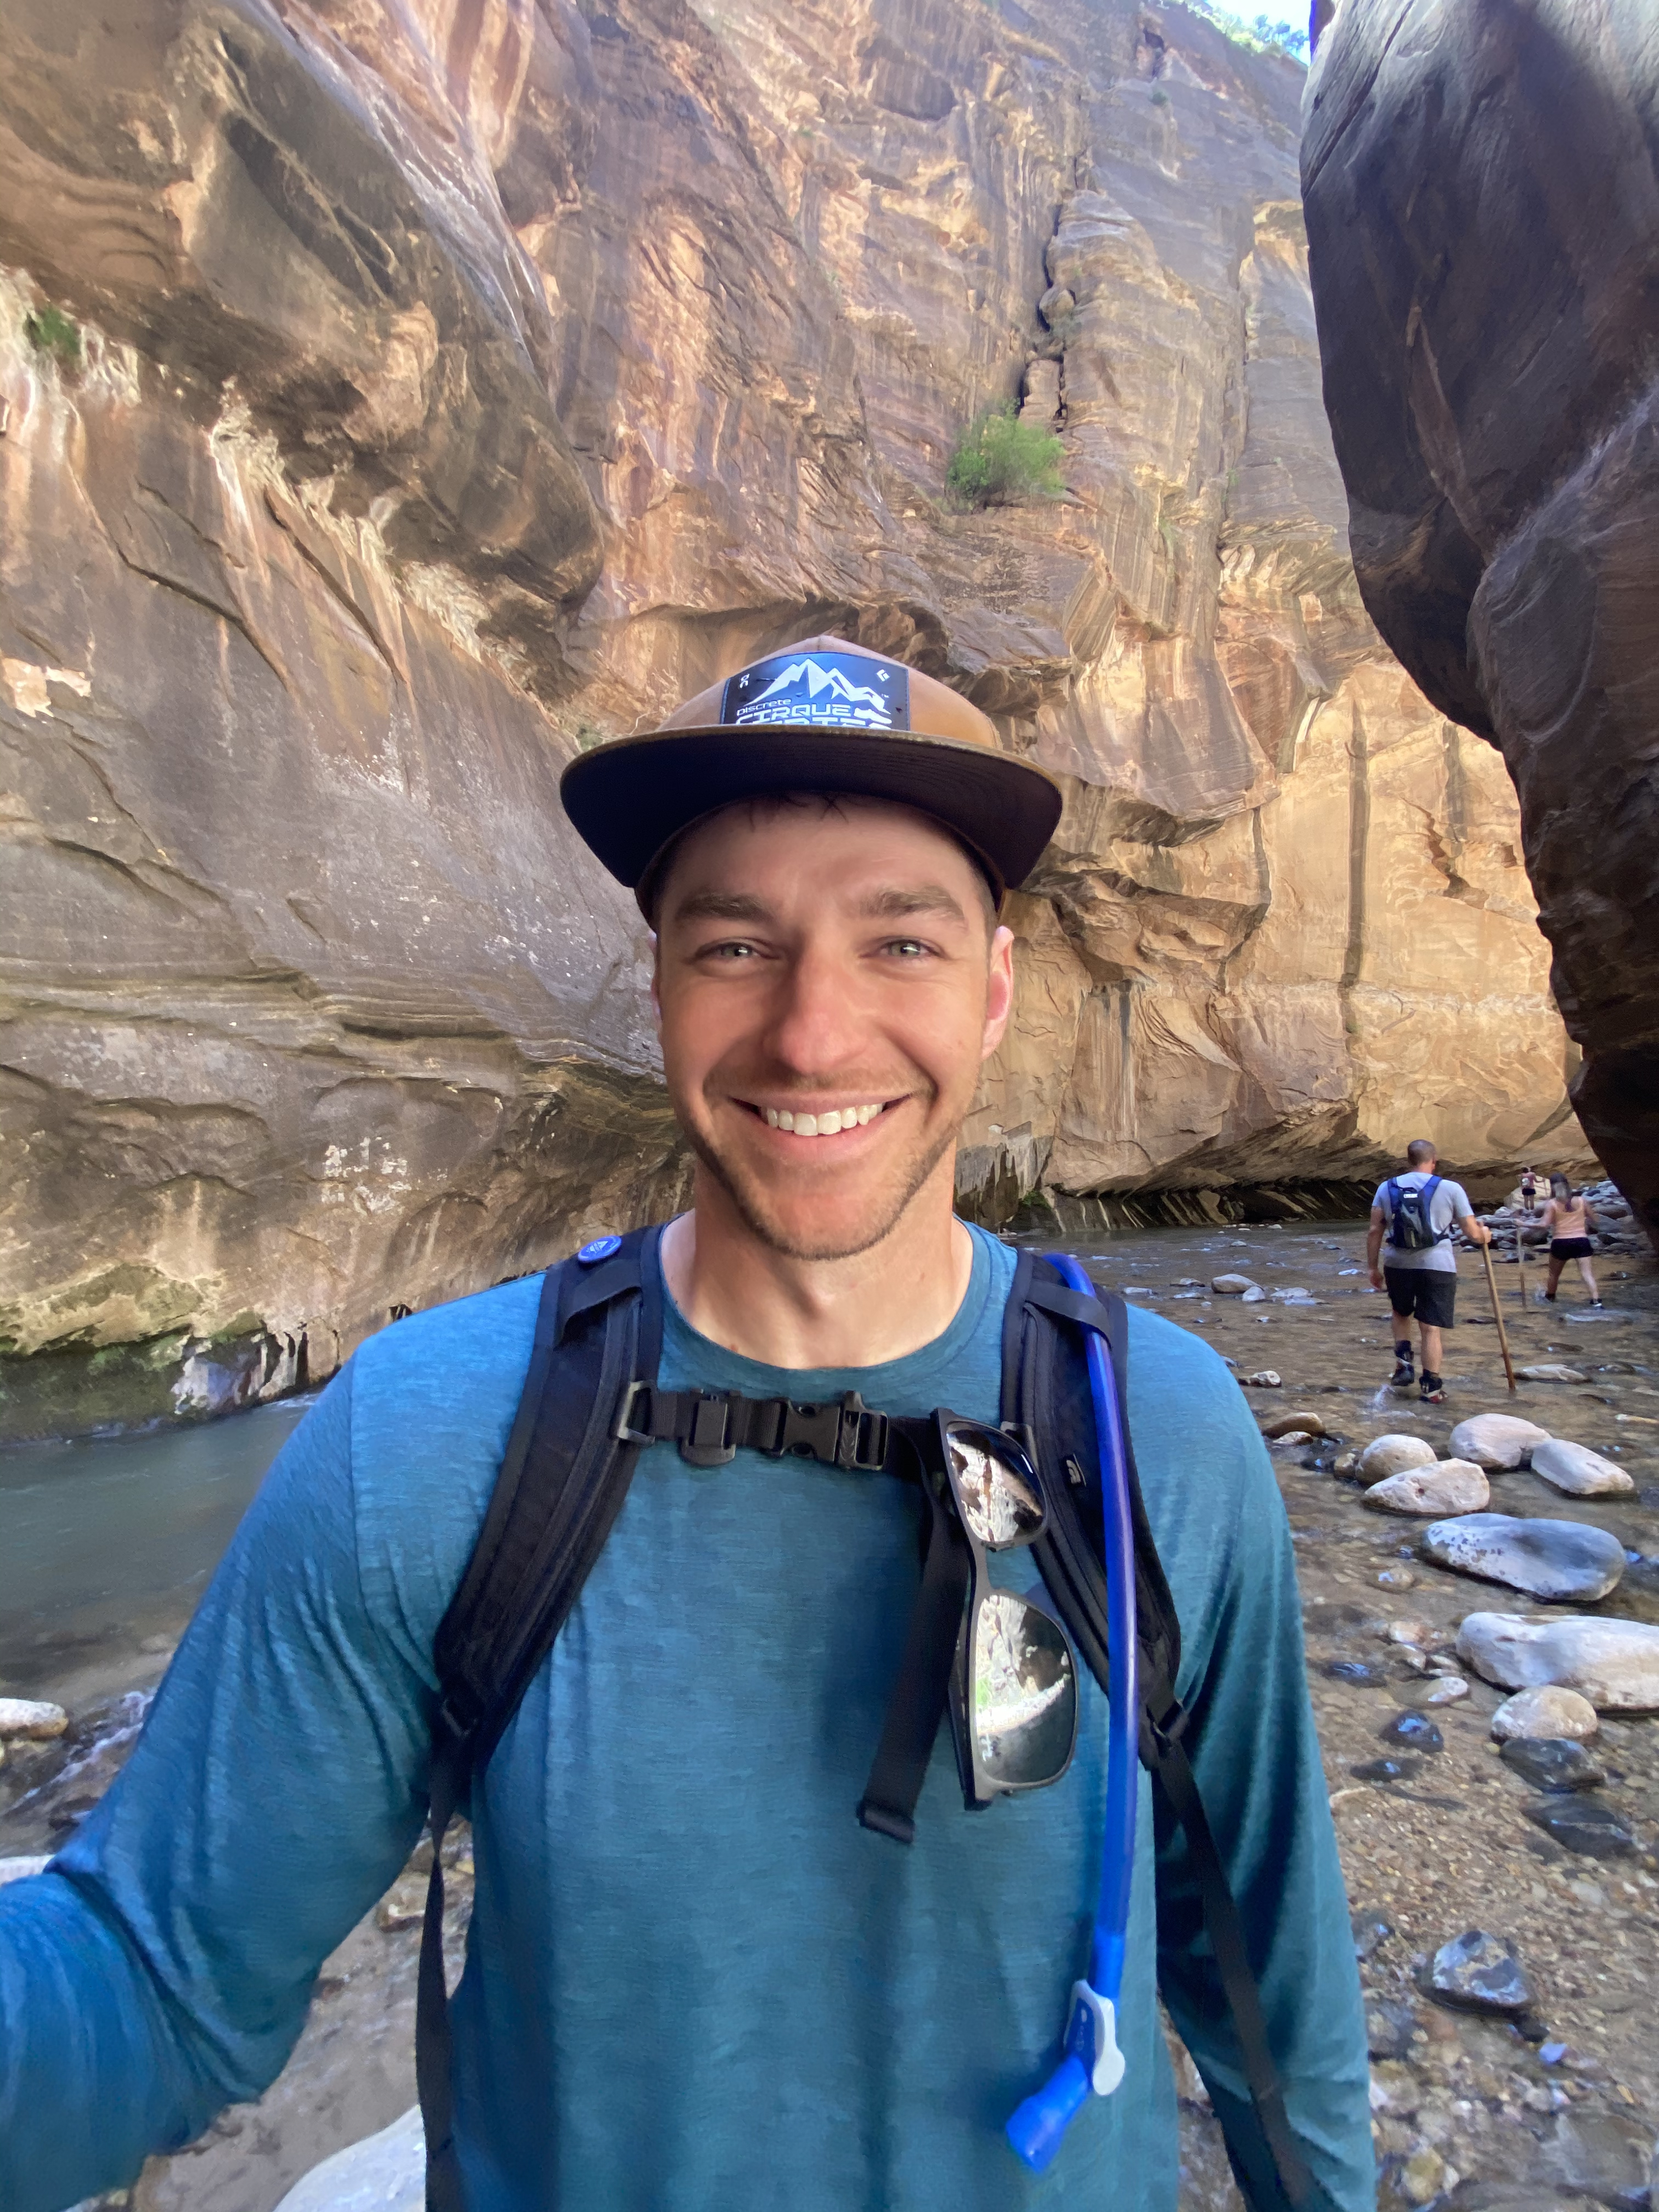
x,y
821,1125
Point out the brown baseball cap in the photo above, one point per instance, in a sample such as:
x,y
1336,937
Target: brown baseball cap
x,y
821,715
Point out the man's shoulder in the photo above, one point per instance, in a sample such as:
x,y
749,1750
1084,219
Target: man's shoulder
x,y
1179,1382
455,1371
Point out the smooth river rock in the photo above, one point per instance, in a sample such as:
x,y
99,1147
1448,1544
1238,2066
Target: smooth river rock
x,y
1449,1487
1613,1663
1549,1714
1478,185
1550,1372
31,1718
1553,1763
1577,1471
1393,1455
1546,1559
1496,1440
1232,1286
1479,1972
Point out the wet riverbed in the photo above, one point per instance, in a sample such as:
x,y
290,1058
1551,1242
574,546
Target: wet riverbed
x,y
105,1547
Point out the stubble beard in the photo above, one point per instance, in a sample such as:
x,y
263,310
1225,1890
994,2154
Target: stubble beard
x,y
887,1206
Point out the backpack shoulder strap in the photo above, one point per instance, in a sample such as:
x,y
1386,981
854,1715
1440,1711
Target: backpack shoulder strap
x,y
563,1480
1050,1397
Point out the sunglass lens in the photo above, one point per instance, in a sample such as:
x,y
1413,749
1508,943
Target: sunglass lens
x,y
1025,1693
998,1501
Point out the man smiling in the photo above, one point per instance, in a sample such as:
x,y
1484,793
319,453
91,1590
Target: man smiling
x,y
694,1982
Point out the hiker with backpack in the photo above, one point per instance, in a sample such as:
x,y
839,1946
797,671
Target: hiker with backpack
x,y
1408,1252
870,1660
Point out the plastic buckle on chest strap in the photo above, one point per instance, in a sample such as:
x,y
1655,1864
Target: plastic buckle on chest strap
x,y
844,1434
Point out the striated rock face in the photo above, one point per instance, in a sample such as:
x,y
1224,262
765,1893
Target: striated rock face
x,y
1482,195
394,402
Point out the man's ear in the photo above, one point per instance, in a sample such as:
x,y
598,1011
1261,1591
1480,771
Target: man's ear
x,y
999,990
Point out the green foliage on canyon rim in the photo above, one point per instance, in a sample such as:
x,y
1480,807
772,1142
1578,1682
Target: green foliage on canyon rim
x,y
53,331
1000,461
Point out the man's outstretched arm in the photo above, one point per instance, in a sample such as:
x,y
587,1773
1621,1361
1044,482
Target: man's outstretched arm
x,y
1255,1758
161,1968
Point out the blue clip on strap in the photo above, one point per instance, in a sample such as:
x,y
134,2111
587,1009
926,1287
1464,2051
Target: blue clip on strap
x,y
1093,2064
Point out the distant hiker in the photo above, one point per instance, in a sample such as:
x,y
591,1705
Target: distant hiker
x,y
1570,1220
1415,1212
1529,1189
736,1943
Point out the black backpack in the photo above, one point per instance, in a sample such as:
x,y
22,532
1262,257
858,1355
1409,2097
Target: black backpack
x,y
1410,1227
569,1459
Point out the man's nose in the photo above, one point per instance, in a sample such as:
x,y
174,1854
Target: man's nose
x,y
818,1023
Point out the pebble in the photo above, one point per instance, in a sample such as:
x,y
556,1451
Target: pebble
x,y
1389,2026
1550,1372
1356,1671
27,1718
1415,1731
1578,1471
1614,1663
1396,1578
1394,1454
1308,1424
1549,1715
1420,1634
1495,1441
1255,1296
19,1869
1545,1559
1479,1972
1385,1769
1582,1825
1232,1286
1552,1762
1265,1378
1447,1690
1370,1933
1449,1487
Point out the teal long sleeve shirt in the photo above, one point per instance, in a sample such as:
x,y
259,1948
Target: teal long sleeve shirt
x,y
694,1983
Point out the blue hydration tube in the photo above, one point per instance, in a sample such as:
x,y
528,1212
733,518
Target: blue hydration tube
x,y
1093,2061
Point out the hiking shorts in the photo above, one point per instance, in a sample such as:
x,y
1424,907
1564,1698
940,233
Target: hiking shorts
x,y
1424,1294
1570,1247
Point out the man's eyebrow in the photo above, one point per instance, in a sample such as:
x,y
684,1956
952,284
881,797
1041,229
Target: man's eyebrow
x,y
722,906
898,903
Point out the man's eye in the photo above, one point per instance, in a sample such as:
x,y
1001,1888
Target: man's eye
x,y
906,948
736,950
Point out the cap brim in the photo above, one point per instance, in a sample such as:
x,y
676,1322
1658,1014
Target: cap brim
x,y
629,799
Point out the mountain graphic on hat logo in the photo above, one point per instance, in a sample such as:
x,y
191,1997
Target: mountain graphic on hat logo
x,y
817,679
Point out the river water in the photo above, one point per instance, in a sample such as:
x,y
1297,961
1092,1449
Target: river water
x,y
107,1546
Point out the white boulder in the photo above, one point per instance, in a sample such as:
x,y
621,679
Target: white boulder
x,y
1578,1471
1613,1663
1450,1486
1562,1559
1232,1286
1496,1440
1393,1455
385,2173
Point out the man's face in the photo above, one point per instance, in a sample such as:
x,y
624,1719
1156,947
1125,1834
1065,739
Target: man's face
x,y
823,960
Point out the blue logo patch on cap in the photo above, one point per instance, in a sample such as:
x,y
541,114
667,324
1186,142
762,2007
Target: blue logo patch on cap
x,y
600,1249
818,691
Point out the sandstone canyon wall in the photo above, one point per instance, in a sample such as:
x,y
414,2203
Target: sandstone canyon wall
x,y
396,399
1482,191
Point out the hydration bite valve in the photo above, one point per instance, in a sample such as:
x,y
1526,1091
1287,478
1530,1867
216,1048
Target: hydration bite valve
x,y
1092,2063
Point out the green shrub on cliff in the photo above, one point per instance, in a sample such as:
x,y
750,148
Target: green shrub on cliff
x,y
1000,461
52,331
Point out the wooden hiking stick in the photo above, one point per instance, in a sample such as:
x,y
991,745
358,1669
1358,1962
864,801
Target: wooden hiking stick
x,y
1521,1265
1497,1314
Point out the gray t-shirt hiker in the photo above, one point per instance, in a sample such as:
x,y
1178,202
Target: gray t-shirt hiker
x,y
1450,1203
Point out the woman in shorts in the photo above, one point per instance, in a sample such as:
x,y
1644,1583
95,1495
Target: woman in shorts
x,y
1570,1221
